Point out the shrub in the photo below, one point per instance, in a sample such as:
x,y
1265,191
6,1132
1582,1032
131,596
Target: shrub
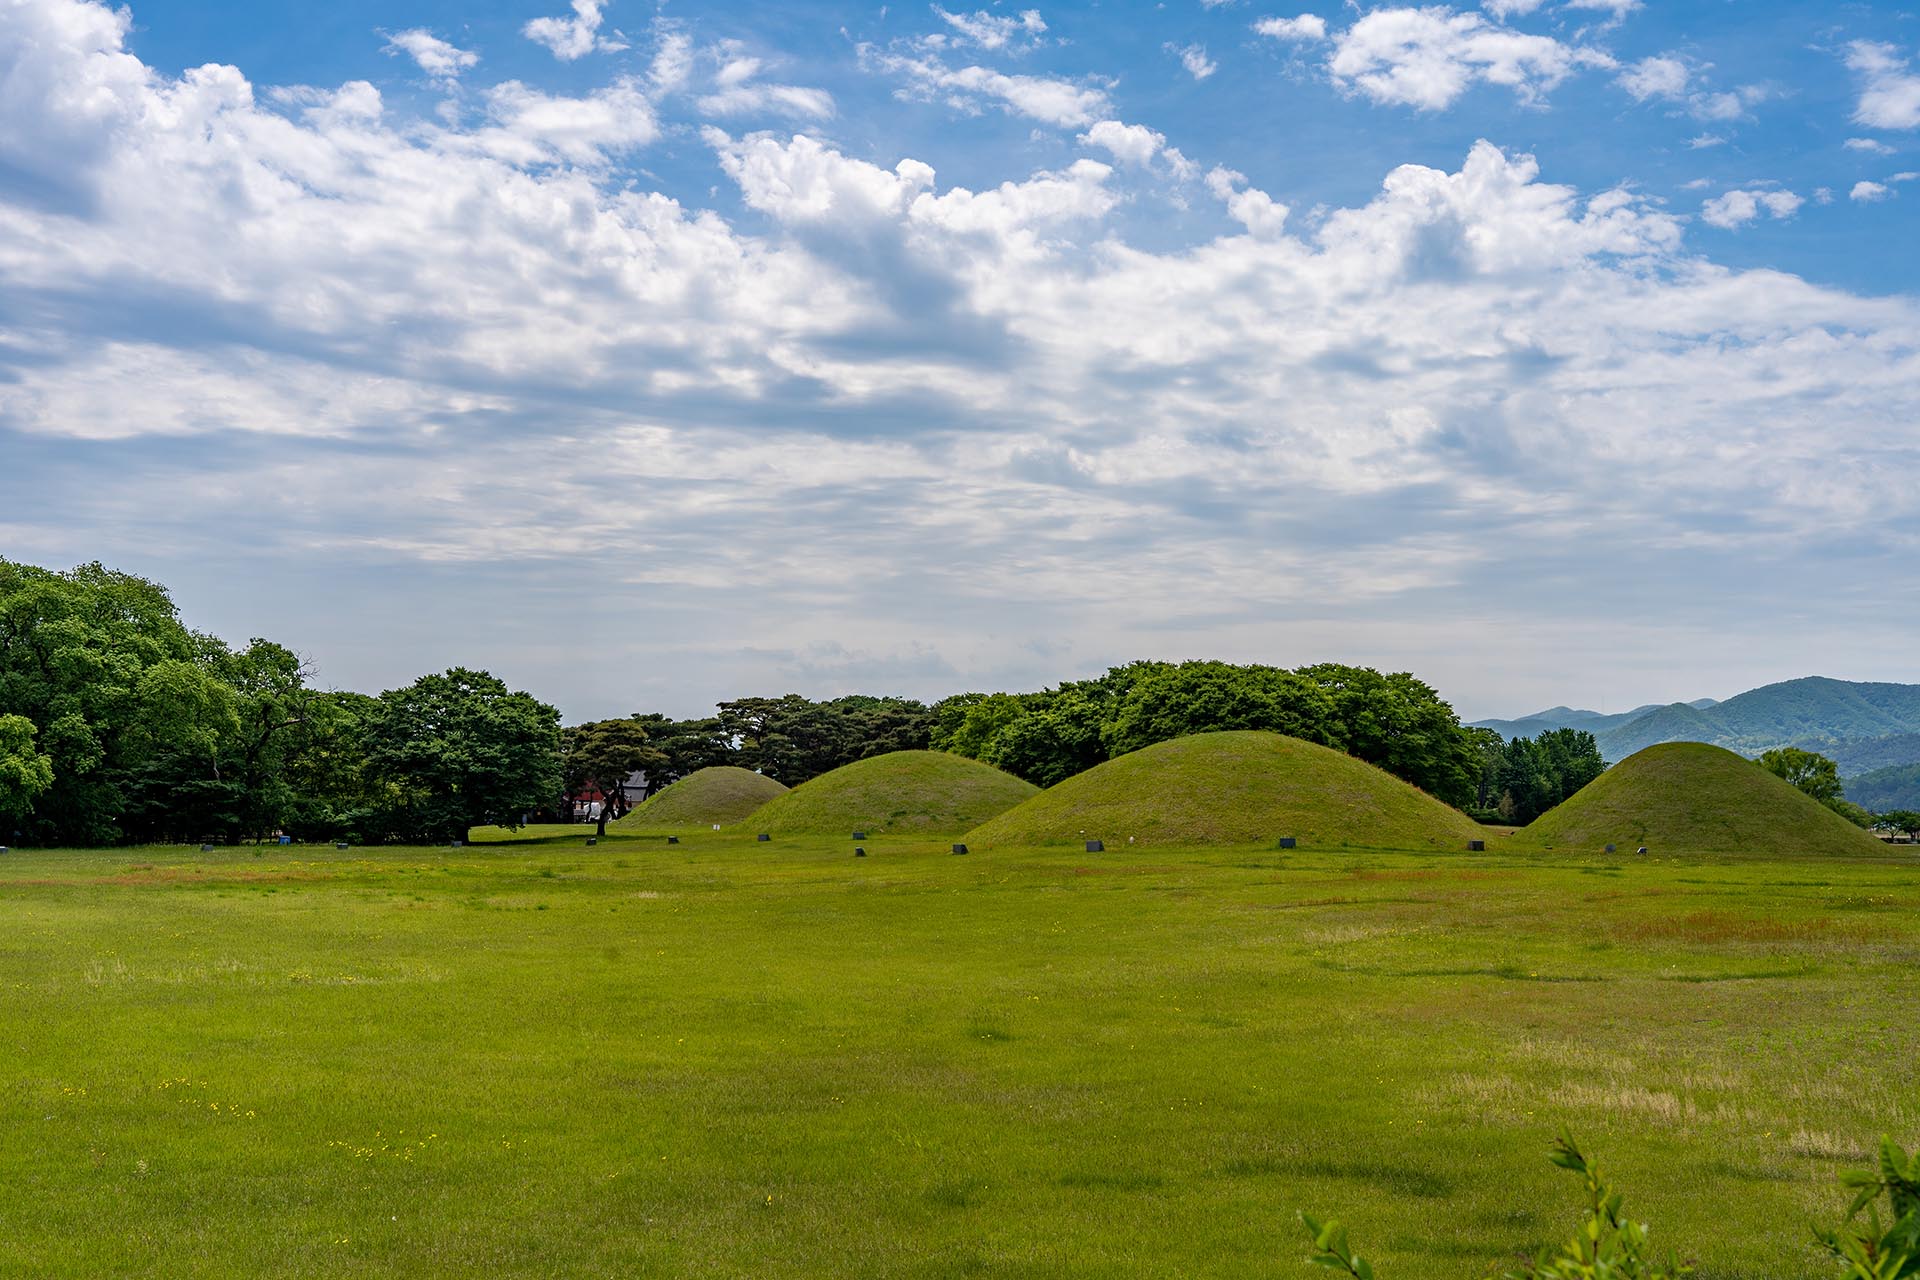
x,y
1609,1246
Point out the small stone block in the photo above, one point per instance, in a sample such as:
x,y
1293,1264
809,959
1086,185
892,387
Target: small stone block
x,y
457,844
859,852
340,844
3,851
859,835
1476,846
673,839
763,836
959,848
206,848
1289,842
1095,846
592,840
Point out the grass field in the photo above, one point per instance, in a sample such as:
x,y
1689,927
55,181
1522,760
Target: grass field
x,y
733,1059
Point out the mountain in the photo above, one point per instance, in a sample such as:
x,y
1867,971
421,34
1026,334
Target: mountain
x,y
1862,726
1883,789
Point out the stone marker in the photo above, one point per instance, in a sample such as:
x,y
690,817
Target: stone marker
x,y
340,844
959,848
1476,846
1289,842
763,836
457,844
206,848
859,835
673,839
592,841
3,851
859,852
1094,846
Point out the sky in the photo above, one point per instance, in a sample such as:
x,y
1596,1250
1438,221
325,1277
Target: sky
x,y
1558,351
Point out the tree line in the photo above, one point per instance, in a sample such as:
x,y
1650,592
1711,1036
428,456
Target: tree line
x,y
119,724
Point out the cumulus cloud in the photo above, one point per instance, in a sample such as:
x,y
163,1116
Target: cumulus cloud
x,y
1889,88
570,39
992,30
1872,146
1427,58
1306,27
1866,192
1047,99
1136,145
1194,58
963,412
440,60
1735,209
1660,77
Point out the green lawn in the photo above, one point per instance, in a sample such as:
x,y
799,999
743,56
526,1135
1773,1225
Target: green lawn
x,y
740,1059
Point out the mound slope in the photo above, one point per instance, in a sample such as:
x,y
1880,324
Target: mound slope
x,y
1234,788
722,794
1690,797
902,792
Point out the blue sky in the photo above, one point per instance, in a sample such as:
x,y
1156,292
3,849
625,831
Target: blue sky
x,y
1556,350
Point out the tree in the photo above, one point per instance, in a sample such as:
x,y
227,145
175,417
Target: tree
x,y
1810,771
25,772
460,750
1902,822
602,755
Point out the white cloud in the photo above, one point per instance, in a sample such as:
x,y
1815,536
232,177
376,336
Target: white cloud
x,y
1618,9
1702,141
1427,58
1737,208
1662,77
1889,90
1871,146
570,39
1252,208
1306,27
1194,58
433,55
528,127
1504,9
1044,98
991,30
1869,192
672,63
738,91
1137,146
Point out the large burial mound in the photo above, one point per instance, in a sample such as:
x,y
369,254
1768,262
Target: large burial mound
x,y
1689,797
1234,788
901,792
722,794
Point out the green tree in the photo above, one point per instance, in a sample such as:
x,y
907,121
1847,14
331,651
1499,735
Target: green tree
x,y
459,750
25,771
1810,771
75,652
1902,822
602,755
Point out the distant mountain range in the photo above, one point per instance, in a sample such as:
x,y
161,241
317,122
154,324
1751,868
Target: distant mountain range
x,y
1861,727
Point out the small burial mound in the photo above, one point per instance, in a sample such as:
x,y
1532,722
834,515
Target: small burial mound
x,y
902,792
1688,797
722,794
1233,788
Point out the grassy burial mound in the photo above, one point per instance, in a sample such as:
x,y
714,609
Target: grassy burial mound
x,y
1234,788
722,794
1690,797
902,792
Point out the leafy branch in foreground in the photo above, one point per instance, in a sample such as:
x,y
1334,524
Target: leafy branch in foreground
x,y
1871,1251
1609,1246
